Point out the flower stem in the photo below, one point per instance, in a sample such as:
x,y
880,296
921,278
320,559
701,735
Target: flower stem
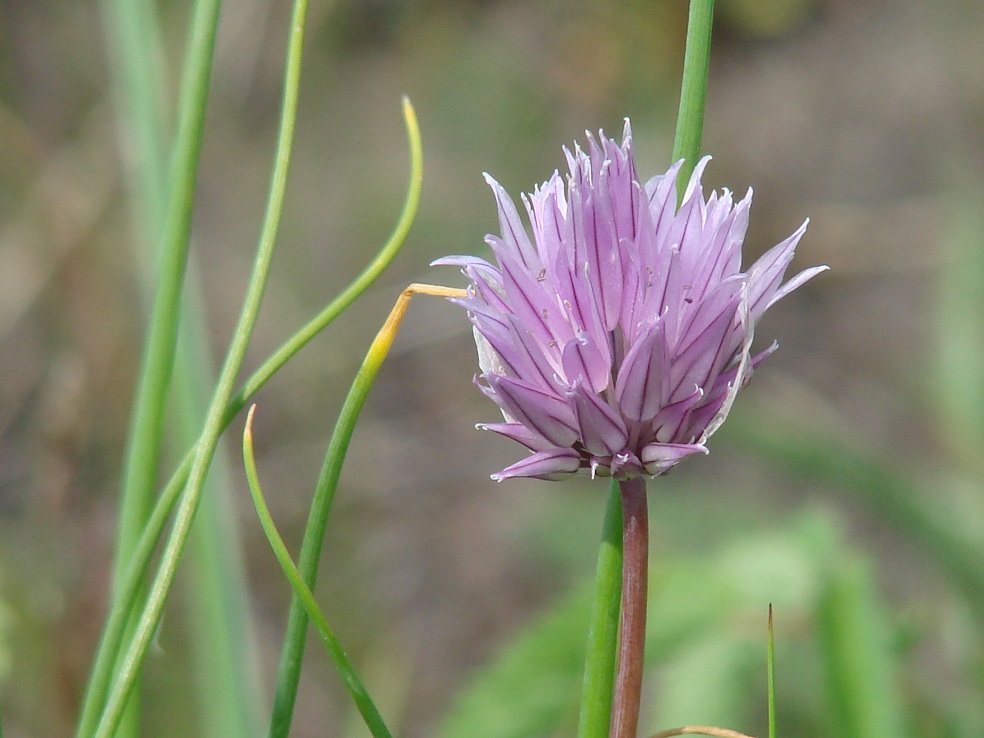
x,y
693,89
632,635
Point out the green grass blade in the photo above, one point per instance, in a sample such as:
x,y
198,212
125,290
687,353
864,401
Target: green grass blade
x,y
771,674
360,284
693,89
142,455
221,630
950,535
138,78
112,635
147,423
356,689
855,639
600,658
214,423
220,623
958,384
289,672
531,686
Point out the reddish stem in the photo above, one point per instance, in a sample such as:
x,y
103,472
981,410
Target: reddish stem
x,y
632,632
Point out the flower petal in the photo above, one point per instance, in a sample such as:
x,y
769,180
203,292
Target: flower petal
x,y
641,386
583,359
543,413
766,273
712,403
659,458
603,432
526,297
626,465
670,420
550,464
519,433
742,372
702,352
511,227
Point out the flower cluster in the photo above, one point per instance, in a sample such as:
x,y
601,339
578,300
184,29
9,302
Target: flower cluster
x,y
615,340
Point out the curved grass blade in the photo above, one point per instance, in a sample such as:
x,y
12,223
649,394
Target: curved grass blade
x,y
124,601
289,672
356,689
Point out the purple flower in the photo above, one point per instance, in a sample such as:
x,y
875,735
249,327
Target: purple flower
x,y
615,340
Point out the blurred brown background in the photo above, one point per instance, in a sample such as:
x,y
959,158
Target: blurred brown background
x,y
868,117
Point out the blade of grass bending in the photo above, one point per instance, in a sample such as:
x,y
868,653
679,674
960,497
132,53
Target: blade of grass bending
x,y
360,284
142,454
160,587
289,672
356,689
693,89
112,635
599,663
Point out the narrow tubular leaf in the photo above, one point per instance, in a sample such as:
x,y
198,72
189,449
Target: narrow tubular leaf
x,y
130,663
356,689
599,665
288,675
123,602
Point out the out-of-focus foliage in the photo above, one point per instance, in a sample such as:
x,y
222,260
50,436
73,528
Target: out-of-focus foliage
x,y
846,488
846,666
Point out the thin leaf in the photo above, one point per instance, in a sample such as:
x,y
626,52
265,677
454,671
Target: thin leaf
x,y
356,689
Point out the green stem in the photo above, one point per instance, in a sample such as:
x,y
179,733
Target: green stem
x,y
221,629
289,672
142,455
123,601
599,664
771,675
160,587
693,89
220,625
126,600
632,631
356,689
359,285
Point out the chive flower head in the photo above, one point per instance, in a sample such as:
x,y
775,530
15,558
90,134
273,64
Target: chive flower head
x,y
615,339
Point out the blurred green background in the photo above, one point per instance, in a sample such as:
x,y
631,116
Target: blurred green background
x,y
846,487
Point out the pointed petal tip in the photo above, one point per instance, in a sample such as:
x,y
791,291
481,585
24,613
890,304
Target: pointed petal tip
x,y
552,463
658,458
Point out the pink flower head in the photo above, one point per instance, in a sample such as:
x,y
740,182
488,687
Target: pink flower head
x,y
615,340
